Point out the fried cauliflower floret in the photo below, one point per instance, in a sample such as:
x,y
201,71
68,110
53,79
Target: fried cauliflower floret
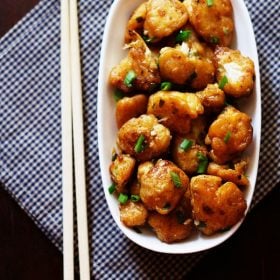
x,y
235,175
216,206
130,107
153,138
190,62
167,227
163,17
212,98
143,168
213,22
137,71
187,159
204,73
136,22
121,170
175,66
201,57
229,135
163,186
238,70
192,46
175,109
133,213
174,226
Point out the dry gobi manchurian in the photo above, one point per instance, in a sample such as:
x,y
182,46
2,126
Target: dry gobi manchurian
x,y
179,164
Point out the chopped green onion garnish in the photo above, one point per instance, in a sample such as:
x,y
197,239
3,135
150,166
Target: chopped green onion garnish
x,y
227,137
176,179
112,188
214,40
129,78
201,156
123,198
183,35
210,3
223,82
186,144
202,167
139,146
134,197
165,86
203,163
118,95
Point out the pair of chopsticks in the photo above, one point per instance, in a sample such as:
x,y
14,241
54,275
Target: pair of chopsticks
x,y
72,130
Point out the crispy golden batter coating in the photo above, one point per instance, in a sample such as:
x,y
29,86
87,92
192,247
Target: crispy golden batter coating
x,y
238,69
167,227
230,134
133,213
156,137
190,62
204,73
175,109
175,66
174,226
235,175
130,107
143,168
136,22
163,18
163,186
187,160
214,23
142,62
216,207
121,170
212,98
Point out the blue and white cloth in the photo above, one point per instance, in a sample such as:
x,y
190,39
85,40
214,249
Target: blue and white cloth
x,y
30,134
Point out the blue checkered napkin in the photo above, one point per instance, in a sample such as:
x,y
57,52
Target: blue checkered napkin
x,y
265,18
30,140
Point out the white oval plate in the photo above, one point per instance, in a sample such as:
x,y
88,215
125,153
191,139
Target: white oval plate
x,y
111,54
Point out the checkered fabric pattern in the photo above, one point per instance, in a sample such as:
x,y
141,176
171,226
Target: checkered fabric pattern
x,y
30,137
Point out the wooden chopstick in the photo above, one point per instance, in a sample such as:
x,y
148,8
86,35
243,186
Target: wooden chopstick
x,y
72,126
67,154
79,151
